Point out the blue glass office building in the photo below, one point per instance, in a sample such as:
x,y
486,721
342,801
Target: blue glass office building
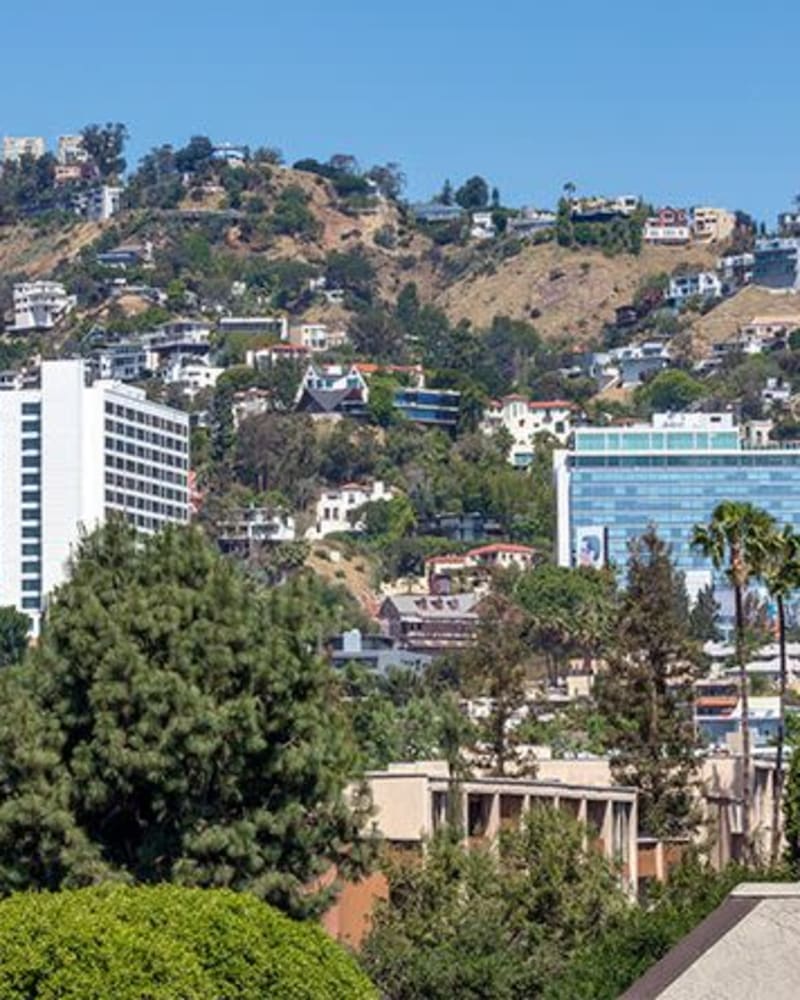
x,y
613,482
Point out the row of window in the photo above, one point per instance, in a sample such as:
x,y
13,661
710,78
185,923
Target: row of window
x,y
141,417
140,434
151,454
130,501
150,471
144,522
143,486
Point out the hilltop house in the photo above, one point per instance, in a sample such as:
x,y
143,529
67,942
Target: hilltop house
x,y
434,211
336,508
712,225
482,226
669,226
523,419
530,221
777,263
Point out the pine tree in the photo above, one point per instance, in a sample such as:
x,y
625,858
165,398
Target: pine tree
x,y
178,725
703,617
646,691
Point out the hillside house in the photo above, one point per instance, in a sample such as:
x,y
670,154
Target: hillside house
x,y
530,221
378,653
601,209
317,338
266,357
262,326
335,510
638,362
192,374
98,204
670,227
712,225
40,305
736,269
472,570
15,147
126,255
245,529
482,226
434,211
251,402
123,361
523,419
702,284
777,263
431,623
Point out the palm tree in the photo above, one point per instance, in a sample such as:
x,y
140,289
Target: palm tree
x,y
782,576
737,541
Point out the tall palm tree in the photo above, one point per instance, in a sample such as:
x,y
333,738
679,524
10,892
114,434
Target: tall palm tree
x,y
737,541
781,575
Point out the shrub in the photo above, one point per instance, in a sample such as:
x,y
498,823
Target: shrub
x,y
166,942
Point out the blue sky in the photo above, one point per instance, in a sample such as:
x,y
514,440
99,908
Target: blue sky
x,y
681,102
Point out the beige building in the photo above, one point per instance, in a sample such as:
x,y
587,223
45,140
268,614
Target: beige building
x,y
712,225
17,146
414,800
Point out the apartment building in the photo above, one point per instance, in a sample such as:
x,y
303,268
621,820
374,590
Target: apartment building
x,y
15,147
75,452
39,305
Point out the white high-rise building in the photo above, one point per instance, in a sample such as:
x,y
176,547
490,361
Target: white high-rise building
x,y
72,453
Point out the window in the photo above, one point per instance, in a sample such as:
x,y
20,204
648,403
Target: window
x,y
32,585
30,603
31,549
33,566
31,531
31,409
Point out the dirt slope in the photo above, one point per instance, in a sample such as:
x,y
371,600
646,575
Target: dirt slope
x,y
723,321
566,293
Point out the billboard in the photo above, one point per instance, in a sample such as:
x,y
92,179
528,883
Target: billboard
x,y
591,546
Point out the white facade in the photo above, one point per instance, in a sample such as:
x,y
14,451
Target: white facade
x,y
482,227
192,375
15,147
39,305
523,420
70,150
73,454
705,284
656,232
334,507
98,204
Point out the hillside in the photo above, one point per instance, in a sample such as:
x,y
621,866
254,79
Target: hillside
x,y
565,293
723,321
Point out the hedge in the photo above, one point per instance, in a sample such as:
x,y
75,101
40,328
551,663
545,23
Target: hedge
x,y
166,943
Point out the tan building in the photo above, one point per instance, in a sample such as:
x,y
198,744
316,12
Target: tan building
x,y
413,800
17,146
712,225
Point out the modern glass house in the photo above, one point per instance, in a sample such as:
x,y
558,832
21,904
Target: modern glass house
x,y
615,481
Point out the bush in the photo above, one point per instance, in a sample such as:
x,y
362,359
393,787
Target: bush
x,y
166,942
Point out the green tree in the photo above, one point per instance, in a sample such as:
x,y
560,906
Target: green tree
x,y
494,668
736,540
381,406
15,628
167,941
479,923
377,335
645,691
105,145
473,194
568,611
175,723
670,390
703,617
781,574
278,451
386,520
223,432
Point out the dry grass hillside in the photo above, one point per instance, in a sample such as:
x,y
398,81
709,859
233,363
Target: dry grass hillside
x,y
566,293
356,573
25,250
723,321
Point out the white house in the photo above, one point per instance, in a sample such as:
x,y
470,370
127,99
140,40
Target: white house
x,y
266,357
70,150
332,378
670,226
97,204
193,374
701,284
482,227
523,419
39,305
334,507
